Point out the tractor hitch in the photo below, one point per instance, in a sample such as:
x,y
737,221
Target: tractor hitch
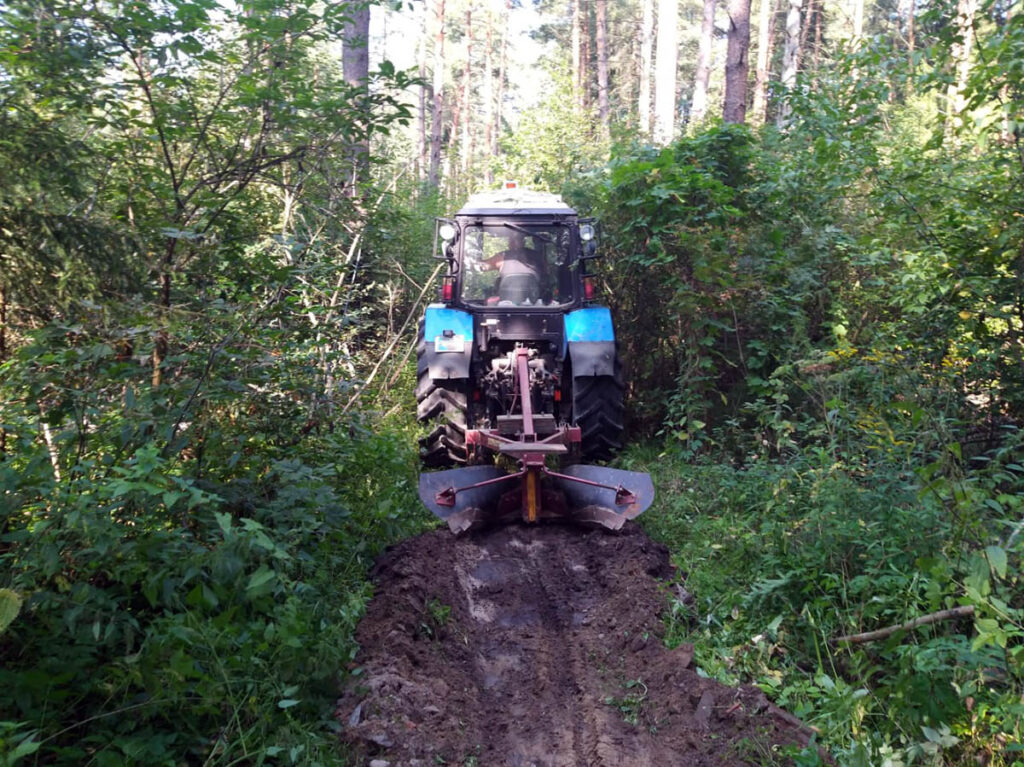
x,y
481,494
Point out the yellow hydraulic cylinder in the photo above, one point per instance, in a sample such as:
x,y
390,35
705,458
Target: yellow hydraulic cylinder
x,y
531,495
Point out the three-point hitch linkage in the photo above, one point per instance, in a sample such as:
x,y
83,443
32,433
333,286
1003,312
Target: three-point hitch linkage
x,y
483,494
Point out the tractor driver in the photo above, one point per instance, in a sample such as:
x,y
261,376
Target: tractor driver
x,y
522,271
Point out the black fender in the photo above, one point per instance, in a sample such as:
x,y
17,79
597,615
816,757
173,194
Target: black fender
x,y
592,358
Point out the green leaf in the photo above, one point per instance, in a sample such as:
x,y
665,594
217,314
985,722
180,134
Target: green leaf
x,y
224,521
10,606
260,578
997,559
287,703
25,748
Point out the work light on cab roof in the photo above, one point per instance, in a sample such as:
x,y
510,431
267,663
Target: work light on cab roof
x,y
519,360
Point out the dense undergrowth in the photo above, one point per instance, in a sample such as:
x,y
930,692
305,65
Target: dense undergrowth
x,y
205,399
823,334
780,559
175,606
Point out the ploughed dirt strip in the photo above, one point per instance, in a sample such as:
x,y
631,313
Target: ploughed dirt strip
x,y
540,646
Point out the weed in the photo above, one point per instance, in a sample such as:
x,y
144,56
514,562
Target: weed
x,y
435,618
633,704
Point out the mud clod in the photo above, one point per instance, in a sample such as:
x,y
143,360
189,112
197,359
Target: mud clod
x,y
541,646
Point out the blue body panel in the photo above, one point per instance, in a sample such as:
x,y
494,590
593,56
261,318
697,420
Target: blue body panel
x,y
590,341
440,318
591,324
451,357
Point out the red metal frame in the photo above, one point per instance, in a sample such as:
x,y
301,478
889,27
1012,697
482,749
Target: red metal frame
x,y
530,451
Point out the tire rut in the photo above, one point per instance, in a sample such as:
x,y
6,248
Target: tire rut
x,y
538,647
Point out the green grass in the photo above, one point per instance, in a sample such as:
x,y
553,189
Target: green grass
x,y
782,558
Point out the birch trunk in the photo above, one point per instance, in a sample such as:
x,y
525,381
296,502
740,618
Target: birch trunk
x,y
765,38
488,94
467,94
789,59
577,53
646,55
585,52
355,63
503,65
421,107
737,66
957,102
665,73
699,105
857,16
809,15
911,7
438,88
601,35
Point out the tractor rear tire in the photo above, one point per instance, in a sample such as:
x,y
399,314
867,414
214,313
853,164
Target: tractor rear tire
x,y
442,405
598,410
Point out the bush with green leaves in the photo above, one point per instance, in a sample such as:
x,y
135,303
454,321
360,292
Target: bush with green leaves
x,y
780,560
188,592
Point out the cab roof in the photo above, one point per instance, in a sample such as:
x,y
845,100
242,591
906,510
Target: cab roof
x,y
515,202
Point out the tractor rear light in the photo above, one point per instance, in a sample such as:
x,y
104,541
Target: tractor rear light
x,y
558,395
589,291
476,395
447,289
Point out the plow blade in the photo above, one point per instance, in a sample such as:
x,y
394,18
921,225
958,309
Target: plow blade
x,y
476,496
471,505
600,505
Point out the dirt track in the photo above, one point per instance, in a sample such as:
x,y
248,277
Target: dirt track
x,y
540,646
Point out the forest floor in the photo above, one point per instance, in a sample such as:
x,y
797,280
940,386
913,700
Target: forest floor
x,y
541,646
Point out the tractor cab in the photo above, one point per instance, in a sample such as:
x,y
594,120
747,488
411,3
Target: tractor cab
x,y
516,249
517,264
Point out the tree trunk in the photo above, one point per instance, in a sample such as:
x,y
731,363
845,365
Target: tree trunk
x,y
737,66
3,324
601,34
355,64
161,342
421,107
438,88
502,67
3,358
488,95
789,59
817,46
857,16
355,52
911,8
646,55
962,45
577,53
665,73
467,94
765,39
699,106
1008,133
453,135
585,52
805,32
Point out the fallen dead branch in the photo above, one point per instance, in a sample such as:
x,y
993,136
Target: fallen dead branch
x,y
924,620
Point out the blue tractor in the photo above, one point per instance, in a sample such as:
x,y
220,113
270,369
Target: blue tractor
x,y
519,383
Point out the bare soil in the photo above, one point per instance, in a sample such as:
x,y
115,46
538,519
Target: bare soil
x,y
541,646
